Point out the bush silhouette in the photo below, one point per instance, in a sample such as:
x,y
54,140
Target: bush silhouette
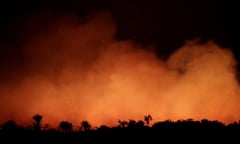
x,y
65,126
85,125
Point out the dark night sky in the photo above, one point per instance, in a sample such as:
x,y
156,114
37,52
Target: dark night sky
x,y
166,24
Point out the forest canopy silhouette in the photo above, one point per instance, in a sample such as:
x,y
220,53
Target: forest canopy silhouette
x,y
142,130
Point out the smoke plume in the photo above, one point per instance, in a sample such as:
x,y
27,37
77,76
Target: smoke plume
x,y
75,69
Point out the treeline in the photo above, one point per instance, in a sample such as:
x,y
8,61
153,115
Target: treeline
x,y
134,131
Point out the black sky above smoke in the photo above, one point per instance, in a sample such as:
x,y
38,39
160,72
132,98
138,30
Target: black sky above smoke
x,y
166,24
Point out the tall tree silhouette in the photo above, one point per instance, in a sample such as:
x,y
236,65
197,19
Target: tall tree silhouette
x,y
65,126
147,119
37,124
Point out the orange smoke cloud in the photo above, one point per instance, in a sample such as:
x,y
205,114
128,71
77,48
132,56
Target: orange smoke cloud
x,y
77,70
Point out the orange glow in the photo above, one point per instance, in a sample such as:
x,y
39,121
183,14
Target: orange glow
x,y
81,72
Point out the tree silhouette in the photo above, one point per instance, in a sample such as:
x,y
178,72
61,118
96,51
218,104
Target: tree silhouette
x,y
85,125
147,119
140,124
65,126
37,124
9,125
122,123
131,123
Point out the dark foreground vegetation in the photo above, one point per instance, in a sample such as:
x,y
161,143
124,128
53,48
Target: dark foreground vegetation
x,y
130,131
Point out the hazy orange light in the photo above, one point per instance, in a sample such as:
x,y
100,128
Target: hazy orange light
x,y
81,72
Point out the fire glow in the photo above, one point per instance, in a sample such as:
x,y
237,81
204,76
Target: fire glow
x,y
79,71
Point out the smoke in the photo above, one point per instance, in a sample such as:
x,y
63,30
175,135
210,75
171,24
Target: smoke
x,y
75,69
